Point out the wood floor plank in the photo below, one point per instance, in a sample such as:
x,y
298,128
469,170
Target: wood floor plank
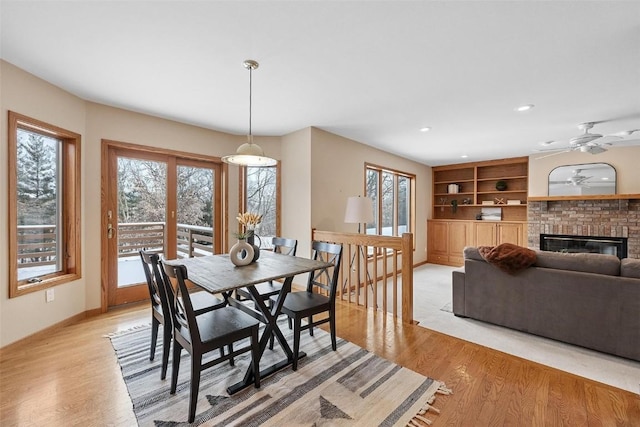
x,y
71,377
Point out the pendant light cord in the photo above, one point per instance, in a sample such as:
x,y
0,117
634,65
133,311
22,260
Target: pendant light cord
x,y
250,88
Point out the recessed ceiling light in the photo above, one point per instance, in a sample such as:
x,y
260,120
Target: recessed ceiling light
x,y
525,107
425,129
464,156
604,178
545,143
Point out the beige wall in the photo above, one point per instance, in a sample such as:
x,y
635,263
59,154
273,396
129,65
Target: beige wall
x,y
319,171
337,166
25,94
623,159
295,217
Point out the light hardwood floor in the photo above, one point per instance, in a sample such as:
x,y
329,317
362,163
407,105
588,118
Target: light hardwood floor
x,y
71,377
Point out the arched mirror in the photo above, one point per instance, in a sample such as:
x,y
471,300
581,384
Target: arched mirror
x,y
583,179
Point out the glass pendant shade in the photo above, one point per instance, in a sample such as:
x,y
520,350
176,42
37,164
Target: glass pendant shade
x,y
250,154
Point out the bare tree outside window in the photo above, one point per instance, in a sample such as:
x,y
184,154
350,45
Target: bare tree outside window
x,y
261,198
391,192
37,197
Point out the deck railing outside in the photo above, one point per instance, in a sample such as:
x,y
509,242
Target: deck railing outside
x,y
37,243
371,268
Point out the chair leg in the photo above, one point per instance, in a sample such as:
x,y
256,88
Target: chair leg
x,y
255,357
232,362
166,347
296,341
310,320
196,364
155,324
177,349
332,325
272,338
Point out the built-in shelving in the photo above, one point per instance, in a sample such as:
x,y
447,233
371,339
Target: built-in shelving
x,y
477,183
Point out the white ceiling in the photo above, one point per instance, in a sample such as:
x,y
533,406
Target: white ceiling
x,y
372,71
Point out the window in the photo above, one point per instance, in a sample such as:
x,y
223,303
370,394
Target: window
x,y
261,195
44,205
393,194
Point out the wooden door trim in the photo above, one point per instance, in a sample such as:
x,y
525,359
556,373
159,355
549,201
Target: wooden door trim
x,y
182,157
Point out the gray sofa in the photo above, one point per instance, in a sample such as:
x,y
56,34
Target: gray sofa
x,y
590,300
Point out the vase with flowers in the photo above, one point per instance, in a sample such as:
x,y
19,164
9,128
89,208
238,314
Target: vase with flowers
x,y
241,253
248,221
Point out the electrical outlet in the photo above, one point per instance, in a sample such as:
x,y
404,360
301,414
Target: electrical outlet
x,y
49,295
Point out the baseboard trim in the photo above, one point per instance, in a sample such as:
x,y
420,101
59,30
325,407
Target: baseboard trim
x,y
37,336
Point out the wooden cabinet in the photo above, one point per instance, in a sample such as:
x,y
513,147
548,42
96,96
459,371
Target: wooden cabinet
x,y
494,233
446,241
475,186
461,192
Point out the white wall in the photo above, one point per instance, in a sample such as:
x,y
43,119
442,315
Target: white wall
x,y
623,159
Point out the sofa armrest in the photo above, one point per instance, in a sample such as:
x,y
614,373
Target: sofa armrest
x,y
458,292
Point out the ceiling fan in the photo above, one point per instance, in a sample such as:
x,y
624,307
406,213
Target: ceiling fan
x,y
576,179
589,142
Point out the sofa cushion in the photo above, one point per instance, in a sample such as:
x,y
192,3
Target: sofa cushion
x,y
586,262
630,267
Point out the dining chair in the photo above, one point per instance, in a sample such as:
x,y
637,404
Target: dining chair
x,y
319,297
160,311
204,333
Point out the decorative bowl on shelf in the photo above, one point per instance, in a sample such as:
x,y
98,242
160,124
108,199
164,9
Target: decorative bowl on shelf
x,y
501,185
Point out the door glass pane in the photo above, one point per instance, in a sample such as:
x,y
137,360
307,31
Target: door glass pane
x,y
261,199
372,191
195,211
404,189
141,214
39,228
387,204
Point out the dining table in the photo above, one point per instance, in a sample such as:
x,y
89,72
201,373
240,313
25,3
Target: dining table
x,y
218,275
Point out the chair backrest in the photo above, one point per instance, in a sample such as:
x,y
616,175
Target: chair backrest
x,y
325,279
182,312
282,245
157,290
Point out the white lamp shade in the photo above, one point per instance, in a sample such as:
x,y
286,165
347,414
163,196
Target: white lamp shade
x,y
249,154
359,210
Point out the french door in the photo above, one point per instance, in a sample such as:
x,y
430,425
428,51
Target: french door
x,y
165,202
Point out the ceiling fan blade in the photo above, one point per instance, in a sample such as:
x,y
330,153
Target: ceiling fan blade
x,y
552,154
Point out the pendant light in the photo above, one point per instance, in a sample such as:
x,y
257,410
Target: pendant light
x,y
249,154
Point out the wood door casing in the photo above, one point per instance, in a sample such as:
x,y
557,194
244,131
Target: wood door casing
x,y
111,150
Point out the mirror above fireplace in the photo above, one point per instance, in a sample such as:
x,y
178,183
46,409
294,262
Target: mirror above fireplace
x,y
582,179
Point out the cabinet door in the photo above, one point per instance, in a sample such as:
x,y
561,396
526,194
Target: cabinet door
x,y
485,234
459,237
510,233
438,238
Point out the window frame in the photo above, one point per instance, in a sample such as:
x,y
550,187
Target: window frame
x,y
242,201
69,209
411,223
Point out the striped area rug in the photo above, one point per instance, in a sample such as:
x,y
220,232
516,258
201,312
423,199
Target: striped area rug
x,y
347,387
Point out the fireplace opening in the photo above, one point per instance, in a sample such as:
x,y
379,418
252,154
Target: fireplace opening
x,y
592,244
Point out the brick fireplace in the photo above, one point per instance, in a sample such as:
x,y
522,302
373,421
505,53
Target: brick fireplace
x,y
593,217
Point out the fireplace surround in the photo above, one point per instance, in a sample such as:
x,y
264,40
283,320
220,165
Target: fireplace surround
x,y
588,217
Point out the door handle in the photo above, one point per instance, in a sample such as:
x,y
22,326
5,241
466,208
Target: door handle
x,y
109,231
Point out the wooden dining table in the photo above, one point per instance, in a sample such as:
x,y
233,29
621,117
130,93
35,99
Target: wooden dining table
x,y
218,275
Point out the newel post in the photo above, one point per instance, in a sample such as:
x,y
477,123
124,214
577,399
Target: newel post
x,y
407,277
